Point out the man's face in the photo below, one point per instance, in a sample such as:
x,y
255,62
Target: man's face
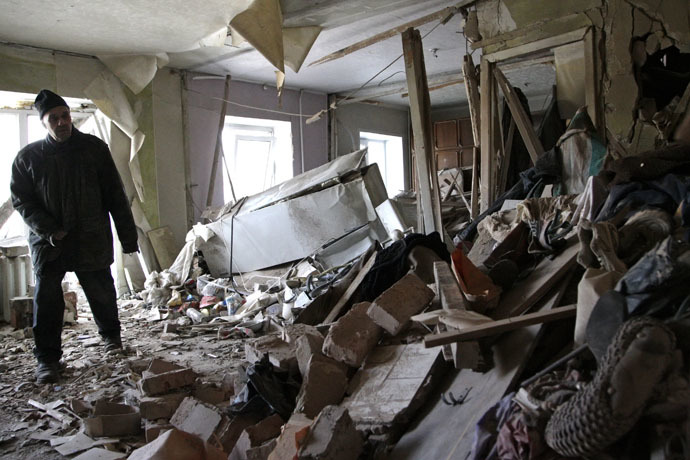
x,y
58,122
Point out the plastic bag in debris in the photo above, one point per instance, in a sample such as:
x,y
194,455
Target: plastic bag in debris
x,y
268,390
208,286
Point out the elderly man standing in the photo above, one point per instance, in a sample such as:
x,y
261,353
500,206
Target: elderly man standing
x,y
65,187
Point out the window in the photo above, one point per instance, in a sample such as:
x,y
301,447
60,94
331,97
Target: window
x,y
257,155
387,152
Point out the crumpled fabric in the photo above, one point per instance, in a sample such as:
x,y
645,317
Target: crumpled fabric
x,y
392,263
650,165
549,221
590,200
486,430
658,282
521,438
667,193
500,224
599,243
582,154
547,170
642,231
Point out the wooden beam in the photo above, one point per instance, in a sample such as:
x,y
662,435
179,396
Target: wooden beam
x,y
219,142
443,15
469,72
507,153
335,311
591,80
420,115
522,121
499,327
486,144
530,290
537,45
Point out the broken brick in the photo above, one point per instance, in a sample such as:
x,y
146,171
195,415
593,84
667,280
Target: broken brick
x,y
293,432
112,419
153,429
153,408
280,353
292,332
352,337
325,383
261,452
332,436
162,377
230,430
21,312
197,418
255,436
393,309
209,393
176,444
306,346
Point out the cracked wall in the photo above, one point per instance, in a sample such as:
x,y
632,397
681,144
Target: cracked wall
x,y
627,34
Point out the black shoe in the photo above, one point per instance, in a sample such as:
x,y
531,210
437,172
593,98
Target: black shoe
x,y
112,344
48,372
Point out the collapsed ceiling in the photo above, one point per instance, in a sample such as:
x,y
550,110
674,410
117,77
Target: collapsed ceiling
x,y
195,37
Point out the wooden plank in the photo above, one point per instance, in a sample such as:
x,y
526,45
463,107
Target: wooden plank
x,y
219,143
471,87
522,121
591,81
505,167
537,45
528,291
420,115
447,287
486,144
446,432
443,15
499,327
333,314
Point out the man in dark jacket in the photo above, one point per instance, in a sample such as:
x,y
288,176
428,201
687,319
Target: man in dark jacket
x,y
65,186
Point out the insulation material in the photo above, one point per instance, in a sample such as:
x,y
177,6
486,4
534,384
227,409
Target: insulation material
x,y
136,72
106,92
291,229
216,38
297,41
261,24
570,78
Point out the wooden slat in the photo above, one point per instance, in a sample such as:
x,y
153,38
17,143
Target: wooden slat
x,y
524,126
537,45
444,15
219,143
487,139
507,153
420,115
499,327
471,87
527,292
333,314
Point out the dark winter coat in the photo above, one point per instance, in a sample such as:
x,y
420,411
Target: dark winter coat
x,y
72,186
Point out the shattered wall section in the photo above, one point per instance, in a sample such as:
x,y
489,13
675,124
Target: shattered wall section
x,y
627,33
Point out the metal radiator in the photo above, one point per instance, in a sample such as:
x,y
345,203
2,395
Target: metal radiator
x,y
16,274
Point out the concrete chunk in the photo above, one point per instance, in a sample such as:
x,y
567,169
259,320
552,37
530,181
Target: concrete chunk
x,y
21,312
263,451
167,381
351,338
393,309
197,418
292,332
325,383
286,447
332,436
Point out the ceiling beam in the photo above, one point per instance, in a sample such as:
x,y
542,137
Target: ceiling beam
x,y
443,15
437,81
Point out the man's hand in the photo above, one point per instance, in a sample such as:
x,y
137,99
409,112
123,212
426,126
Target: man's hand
x,y
130,249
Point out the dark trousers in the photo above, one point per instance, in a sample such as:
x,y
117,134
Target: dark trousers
x,y
49,308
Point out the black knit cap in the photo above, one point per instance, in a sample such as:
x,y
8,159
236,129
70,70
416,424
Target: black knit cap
x,y
47,100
